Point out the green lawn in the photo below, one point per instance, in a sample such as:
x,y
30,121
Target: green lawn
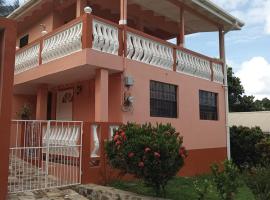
x,y
179,188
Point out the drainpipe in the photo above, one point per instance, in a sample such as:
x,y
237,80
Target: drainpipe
x,y
227,96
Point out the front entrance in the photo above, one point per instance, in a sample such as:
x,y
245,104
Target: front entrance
x,y
44,154
64,104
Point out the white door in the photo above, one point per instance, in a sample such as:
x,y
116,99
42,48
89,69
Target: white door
x,y
64,105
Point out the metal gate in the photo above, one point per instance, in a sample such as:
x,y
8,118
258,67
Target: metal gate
x,y
44,154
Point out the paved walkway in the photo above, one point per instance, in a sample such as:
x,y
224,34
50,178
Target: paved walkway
x,y
53,194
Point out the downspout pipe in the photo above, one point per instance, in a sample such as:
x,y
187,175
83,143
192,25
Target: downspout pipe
x,y
226,88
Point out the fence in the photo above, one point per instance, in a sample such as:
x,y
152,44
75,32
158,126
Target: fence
x,y
44,154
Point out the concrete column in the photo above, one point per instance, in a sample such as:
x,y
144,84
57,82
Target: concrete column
x,y
123,12
42,102
81,4
181,34
101,95
221,45
7,59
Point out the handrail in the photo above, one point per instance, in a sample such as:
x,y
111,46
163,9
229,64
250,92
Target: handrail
x,y
108,37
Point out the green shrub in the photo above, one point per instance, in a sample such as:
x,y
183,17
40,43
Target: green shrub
x,y
263,148
152,153
258,181
243,145
226,180
202,188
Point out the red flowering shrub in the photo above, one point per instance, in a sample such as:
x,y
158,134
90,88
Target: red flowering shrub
x,y
152,153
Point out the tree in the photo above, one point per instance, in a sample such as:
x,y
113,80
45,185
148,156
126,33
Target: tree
x,y
236,90
6,9
238,102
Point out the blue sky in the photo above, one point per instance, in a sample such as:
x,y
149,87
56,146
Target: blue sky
x,y
248,50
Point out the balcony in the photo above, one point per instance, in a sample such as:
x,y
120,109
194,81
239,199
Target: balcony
x,y
92,32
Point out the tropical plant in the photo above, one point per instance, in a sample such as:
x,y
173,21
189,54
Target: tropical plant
x,y
152,153
226,180
243,146
202,188
258,181
25,112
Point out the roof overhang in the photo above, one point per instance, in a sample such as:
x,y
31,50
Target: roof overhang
x,y
197,12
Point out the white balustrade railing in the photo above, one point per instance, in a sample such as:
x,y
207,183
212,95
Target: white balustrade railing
x,y
95,137
105,37
193,65
63,43
218,75
149,51
27,59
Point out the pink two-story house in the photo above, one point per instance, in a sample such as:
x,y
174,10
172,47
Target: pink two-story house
x,y
109,61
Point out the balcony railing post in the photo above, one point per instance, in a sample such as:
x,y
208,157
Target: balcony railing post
x,y
121,39
212,71
87,31
174,60
40,52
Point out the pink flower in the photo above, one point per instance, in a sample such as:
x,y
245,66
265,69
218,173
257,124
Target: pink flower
x,y
118,142
131,154
182,152
157,155
147,149
116,137
141,164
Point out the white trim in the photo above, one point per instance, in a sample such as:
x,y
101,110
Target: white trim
x,y
123,22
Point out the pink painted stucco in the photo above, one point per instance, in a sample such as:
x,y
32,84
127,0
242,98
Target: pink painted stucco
x,y
198,134
92,103
19,100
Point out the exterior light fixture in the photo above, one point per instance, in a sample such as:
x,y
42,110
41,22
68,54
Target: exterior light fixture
x,y
88,10
43,32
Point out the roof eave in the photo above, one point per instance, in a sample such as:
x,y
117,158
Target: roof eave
x,y
23,8
235,23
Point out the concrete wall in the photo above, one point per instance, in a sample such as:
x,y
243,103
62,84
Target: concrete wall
x,y
198,134
19,101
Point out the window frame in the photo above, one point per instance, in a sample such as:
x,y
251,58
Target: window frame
x,y
216,118
174,103
20,41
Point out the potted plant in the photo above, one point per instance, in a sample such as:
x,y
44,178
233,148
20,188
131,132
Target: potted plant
x,y
25,112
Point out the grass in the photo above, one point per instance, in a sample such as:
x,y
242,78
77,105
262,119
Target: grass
x,y
178,189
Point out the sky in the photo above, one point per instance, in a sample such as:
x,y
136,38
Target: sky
x,y
248,50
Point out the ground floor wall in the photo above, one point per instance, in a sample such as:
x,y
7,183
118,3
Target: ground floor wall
x,y
198,134
204,139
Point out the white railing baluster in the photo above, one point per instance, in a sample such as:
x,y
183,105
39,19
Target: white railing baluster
x,y
27,59
95,138
63,43
190,64
218,75
105,37
149,51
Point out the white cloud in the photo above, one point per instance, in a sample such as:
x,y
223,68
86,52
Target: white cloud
x,y
252,12
255,77
230,4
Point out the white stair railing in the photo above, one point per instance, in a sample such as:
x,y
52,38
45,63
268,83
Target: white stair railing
x,y
218,75
62,43
193,65
105,37
149,51
27,59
